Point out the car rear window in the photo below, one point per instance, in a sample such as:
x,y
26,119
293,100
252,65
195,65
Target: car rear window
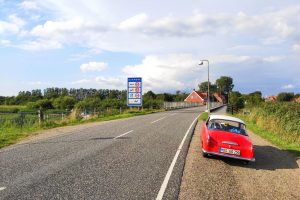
x,y
226,125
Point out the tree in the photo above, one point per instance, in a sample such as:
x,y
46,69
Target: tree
x,y
225,84
65,102
43,104
149,95
2,100
236,99
253,98
285,96
203,87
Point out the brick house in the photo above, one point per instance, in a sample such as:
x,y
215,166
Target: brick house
x,y
197,97
297,100
271,98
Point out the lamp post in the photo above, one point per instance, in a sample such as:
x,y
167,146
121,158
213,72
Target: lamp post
x,y
208,96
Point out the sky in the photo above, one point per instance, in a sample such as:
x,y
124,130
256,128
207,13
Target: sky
x,y
99,43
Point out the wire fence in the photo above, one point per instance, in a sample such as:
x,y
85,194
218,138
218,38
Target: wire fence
x,y
31,119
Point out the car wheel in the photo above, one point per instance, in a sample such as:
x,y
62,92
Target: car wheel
x,y
245,162
205,155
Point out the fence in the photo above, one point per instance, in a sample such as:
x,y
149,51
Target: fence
x,y
232,109
29,119
179,105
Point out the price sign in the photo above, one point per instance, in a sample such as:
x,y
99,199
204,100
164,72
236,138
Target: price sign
x,y
134,91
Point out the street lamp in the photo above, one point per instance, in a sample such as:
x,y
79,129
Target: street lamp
x,y
208,98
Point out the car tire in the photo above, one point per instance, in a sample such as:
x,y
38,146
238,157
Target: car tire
x,y
246,162
205,155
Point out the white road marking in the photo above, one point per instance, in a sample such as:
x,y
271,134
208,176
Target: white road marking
x,y
170,170
2,188
158,120
123,134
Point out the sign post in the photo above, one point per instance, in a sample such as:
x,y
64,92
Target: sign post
x,y
134,92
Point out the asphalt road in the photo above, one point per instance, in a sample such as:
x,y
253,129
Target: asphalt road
x,y
274,175
121,159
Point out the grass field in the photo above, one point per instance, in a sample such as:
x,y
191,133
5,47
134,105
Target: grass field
x,y
278,123
11,132
11,108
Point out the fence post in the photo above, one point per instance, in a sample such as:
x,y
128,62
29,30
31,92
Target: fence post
x,y
40,116
22,121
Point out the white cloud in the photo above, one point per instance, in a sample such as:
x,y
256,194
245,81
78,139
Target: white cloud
x,y
288,86
7,27
144,33
296,47
40,45
105,82
165,72
229,59
134,22
93,66
13,25
35,83
181,71
13,18
29,5
5,42
111,82
273,59
81,81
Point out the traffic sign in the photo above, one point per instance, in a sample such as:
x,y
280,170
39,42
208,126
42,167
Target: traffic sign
x,y
134,92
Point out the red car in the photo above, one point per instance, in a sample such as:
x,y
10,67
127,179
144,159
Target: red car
x,y
226,136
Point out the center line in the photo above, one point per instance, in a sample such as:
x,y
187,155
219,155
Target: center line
x,y
123,134
158,120
2,188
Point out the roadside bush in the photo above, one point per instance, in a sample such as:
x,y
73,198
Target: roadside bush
x,y
283,119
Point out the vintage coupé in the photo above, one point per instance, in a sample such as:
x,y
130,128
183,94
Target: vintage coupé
x,y
226,136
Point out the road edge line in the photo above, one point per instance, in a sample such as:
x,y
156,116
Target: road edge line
x,y
170,170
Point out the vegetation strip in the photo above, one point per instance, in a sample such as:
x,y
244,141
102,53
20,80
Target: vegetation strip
x,y
292,147
11,134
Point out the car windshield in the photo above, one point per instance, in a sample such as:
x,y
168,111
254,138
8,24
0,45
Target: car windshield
x,y
226,125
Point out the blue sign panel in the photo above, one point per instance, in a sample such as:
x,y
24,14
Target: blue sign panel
x,y
134,92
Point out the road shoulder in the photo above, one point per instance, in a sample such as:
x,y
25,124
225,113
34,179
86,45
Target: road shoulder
x,y
274,175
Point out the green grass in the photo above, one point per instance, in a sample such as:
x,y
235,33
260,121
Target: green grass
x,y
11,108
292,147
203,116
11,134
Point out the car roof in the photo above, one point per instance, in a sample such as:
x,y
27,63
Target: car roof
x,y
225,117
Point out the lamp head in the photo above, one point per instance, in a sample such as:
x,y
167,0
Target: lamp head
x,y
201,62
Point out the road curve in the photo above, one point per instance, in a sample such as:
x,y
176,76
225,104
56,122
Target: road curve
x,y
274,175
121,159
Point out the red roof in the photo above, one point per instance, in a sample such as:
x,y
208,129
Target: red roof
x,y
271,98
203,95
219,97
297,100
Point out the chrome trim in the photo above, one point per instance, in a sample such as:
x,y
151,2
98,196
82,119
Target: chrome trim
x,y
228,155
230,143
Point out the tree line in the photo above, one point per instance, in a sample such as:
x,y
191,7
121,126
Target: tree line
x,y
224,85
67,99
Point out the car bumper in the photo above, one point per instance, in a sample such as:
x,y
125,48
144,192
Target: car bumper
x,y
228,156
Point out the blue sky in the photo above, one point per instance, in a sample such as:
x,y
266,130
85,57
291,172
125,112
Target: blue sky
x,y
99,43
